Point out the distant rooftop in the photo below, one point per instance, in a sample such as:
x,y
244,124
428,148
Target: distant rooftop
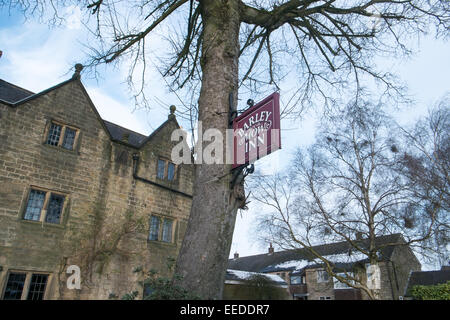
x,y
238,275
340,253
11,93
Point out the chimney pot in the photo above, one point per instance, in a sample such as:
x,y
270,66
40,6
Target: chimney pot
x,y
271,250
236,255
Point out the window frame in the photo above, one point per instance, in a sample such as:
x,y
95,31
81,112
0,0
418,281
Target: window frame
x,y
160,237
163,230
301,279
337,285
44,209
321,279
150,232
166,170
27,283
62,135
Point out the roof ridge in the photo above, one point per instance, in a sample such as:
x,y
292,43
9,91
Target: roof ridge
x,y
41,93
118,125
343,242
143,139
17,87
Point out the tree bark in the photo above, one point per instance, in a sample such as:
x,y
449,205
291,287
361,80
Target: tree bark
x,y
203,256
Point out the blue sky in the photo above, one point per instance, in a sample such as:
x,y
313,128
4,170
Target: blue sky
x,y
36,57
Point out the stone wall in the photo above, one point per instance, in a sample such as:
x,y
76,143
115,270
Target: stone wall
x,y
105,223
318,289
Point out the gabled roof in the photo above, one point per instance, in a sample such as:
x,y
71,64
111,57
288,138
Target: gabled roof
x,y
427,278
14,96
120,134
11,93
341,253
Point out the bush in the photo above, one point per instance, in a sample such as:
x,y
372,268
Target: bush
x,y
158,287
436,292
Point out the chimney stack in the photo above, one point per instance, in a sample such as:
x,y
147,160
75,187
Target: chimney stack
x,y
270,248
236,255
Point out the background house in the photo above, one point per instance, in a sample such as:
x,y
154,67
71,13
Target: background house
x,y
308,279
78,190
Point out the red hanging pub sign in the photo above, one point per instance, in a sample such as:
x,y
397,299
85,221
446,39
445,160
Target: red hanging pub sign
x,y
257,131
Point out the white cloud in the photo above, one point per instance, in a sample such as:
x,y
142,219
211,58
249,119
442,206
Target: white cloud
x,y
36,57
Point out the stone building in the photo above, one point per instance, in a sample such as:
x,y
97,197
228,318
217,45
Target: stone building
x,y
77,191
308,279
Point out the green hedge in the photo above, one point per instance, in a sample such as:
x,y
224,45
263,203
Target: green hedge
x,y
436,292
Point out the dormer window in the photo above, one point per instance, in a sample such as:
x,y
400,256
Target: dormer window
x,y
60,135
165,170
297,279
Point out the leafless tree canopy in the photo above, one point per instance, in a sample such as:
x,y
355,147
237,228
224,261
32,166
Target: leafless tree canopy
x,y
425,164
322,45
362,179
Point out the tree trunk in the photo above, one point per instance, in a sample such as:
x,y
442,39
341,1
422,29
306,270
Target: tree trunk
x,y
203,256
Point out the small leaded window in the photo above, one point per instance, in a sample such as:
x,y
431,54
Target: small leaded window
x,y
60,135
35,205
165,170
14,286
154,228
167,230
37,287
44,206
161,169
170,171
18,287
54,210
161,229
69,139
54,134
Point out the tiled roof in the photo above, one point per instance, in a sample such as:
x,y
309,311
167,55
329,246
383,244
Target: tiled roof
x,y
12,93
239,275
427,278
14,96
122,134
290,260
